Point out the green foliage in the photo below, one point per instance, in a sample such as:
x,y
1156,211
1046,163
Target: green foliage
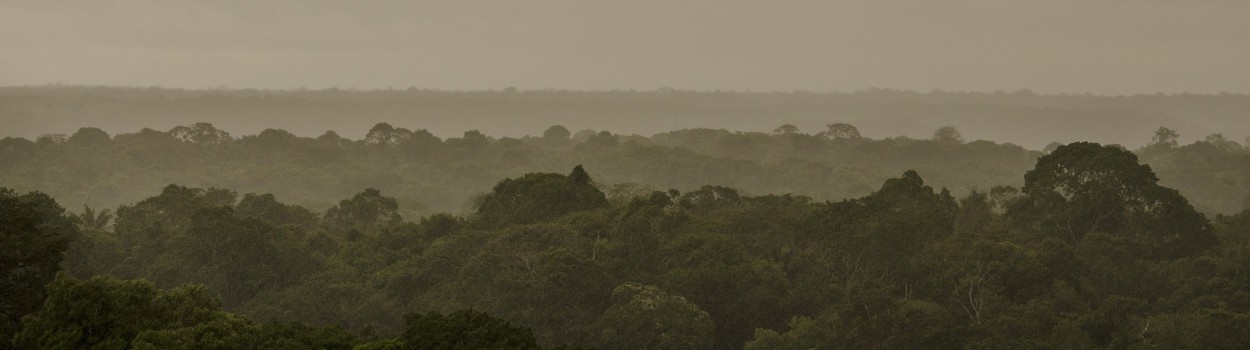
x,y
267,208
1082,188
107,313
200,134
539,197
90,137
1164,137
91,221
836,131
465,329
1091,253
948,134
557,133
427,175
645,317
364,211
803,333
34,234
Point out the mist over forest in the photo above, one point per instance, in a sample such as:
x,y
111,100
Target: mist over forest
x,y
702,238
623,175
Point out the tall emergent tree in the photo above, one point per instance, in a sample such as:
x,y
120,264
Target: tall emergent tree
x,y
841,131
540,196
1084,187
1165,137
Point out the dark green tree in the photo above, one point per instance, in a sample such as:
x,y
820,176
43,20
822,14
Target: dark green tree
x,y
1164,137
786,129
539,196
463,330
366,210
106,313
267,208
34,234
90,137
1085,187
645,317
841,131
200,133
273,139
948,134
556,133
90,220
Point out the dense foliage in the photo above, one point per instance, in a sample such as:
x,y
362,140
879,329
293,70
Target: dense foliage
x,y
427,175
1091,252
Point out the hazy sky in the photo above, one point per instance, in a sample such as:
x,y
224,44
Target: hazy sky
x,y
1106,47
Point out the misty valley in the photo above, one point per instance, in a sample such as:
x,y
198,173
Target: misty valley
x,y
193,238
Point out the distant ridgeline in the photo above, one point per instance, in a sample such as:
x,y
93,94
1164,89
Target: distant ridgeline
x,y
1089,252
428,174
1021,117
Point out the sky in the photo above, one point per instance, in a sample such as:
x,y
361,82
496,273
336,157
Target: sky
x,y
1051,46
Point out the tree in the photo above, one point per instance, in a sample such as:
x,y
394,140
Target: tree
x,y
463,330
91,137
422,144
51,139
330,137
34,234
274,139
841,131
804,333
579,175
385,134
583,135
267,208
200,133
98,249
604,138
1085,187
645,317
1219,141
537,197
15,145
897,220
556,133
786,129
365,210
148,223
236,256
1164,137
1051,147
106,313
948,134
90,220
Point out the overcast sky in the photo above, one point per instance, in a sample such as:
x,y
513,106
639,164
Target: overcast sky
x,y
1105,47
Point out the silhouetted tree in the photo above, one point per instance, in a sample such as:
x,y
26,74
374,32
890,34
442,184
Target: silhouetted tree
x,y
1164,137
948,134
786,129
841,131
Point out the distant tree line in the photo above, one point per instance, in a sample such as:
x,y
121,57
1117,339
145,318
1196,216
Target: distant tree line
x,y
1021,117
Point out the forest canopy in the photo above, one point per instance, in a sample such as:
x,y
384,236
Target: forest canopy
x,y
426,174
1093,250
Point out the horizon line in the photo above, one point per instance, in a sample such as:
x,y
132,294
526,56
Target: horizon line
x,y
658,90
